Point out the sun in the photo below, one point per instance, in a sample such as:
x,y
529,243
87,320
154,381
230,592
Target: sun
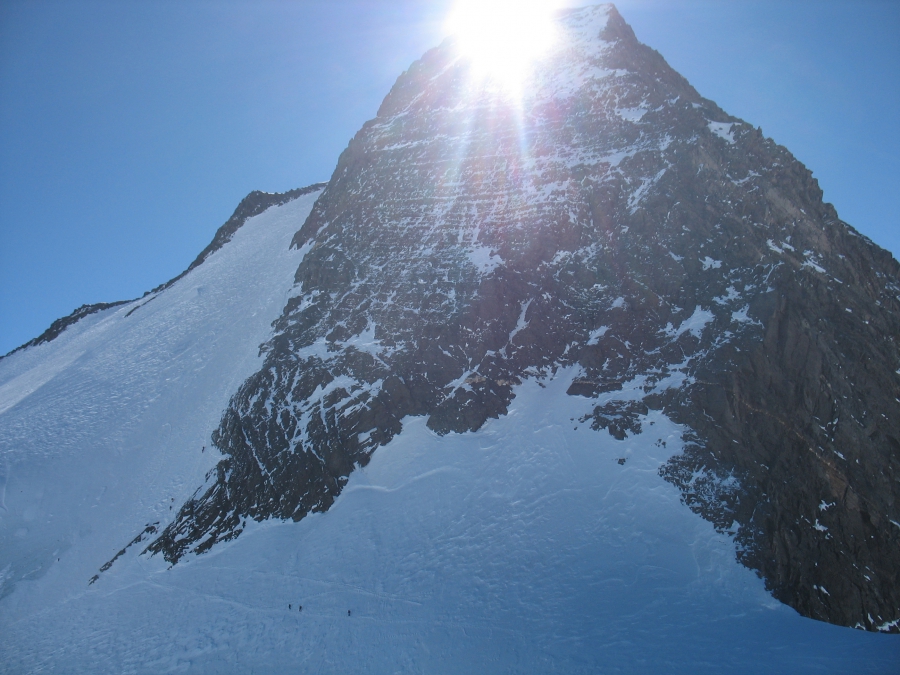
x,y
502,38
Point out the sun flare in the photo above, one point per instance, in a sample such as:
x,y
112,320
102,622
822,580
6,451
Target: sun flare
x,y
502,38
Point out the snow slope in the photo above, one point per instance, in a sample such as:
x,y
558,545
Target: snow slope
x,y
525,547
103,427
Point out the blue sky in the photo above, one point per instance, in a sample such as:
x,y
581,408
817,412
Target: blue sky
x,y
129,131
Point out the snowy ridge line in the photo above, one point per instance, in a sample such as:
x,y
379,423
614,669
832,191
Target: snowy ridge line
x,y
57,327
253,204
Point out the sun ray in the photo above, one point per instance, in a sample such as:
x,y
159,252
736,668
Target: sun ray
x,y
501,39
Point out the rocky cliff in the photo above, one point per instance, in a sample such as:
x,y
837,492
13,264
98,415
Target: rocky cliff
x,y
612,219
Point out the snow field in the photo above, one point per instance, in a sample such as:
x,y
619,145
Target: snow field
x,y
525,547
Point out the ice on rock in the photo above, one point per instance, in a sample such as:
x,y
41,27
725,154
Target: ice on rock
x,y
694,324
484,259
724,130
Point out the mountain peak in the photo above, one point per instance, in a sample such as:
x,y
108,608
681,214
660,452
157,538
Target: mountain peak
x,y
609,219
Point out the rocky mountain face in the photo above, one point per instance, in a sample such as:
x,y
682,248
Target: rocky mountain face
x,y
614,220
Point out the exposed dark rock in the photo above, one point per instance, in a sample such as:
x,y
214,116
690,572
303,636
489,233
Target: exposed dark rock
x,y
619,418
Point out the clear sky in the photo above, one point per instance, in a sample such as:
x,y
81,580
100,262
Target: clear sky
x,y
129,131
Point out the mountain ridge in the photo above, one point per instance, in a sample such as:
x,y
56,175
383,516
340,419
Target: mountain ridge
x,y
253,204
